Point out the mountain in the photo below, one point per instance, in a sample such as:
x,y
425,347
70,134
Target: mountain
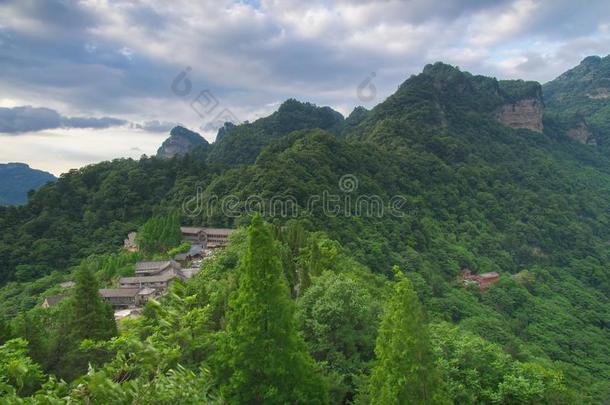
x,y
180,142
579,100
241,144
442,97
454,171
16,179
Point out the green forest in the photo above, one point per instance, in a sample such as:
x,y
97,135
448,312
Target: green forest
x,y
329,309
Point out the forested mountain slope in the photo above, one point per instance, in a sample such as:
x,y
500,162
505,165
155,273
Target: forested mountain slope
x,y
241,144
16,179
579,99
485,180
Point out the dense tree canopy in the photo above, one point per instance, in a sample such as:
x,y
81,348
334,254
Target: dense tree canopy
x,y
476,194
265,359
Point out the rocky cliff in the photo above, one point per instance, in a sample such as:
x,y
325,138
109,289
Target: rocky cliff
x,y
525,113
180,141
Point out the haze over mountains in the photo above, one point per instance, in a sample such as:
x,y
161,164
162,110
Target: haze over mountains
x,y
16,179
491,180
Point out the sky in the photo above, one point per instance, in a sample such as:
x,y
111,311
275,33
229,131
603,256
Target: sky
x,y
92,80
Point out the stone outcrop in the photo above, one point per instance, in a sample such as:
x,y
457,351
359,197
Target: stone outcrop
x,y
525,113
180,141
601,93
582,134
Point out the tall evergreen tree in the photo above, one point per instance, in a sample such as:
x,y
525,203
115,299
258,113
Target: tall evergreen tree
x,y
160,233
263,360
92,318
86,316
315,269
404,372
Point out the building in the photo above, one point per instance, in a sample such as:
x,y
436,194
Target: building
x,y
484,280
125,297
157,268
217,236
206,236
158,283
195,252
193,234
52,300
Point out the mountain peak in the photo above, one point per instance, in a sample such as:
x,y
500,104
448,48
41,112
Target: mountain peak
x,y
591,60
442,95
579,95
441,69
181,140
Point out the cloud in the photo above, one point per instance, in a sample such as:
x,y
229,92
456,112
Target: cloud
x,y
30,119
90,122
156,126
119,58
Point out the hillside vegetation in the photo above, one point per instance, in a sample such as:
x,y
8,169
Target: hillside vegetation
x,y
354,292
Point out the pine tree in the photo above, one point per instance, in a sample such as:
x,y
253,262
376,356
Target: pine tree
x,y
160,233
264,359
315,269
91,317
404,372
86,316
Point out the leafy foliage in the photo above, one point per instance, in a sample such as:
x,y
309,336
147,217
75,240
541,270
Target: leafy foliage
x,y
404,371
476,194
17,179
263,358
160,234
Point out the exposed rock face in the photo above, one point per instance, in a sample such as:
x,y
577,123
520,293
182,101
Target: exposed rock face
x,y
180,141
582,134
525,113
600,93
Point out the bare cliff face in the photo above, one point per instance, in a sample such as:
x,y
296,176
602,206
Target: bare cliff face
x,y
525,113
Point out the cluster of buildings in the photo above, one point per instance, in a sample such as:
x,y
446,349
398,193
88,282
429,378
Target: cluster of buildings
x,y
154,278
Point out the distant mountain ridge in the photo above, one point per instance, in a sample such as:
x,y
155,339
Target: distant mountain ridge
x,y
16,179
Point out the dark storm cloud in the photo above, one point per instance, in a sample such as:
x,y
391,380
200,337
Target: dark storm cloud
x,y
28,119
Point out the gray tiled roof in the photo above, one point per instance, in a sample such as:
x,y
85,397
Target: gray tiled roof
x,y
146,279
119,292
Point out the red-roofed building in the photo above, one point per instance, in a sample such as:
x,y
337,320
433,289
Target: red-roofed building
x,y
483,280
